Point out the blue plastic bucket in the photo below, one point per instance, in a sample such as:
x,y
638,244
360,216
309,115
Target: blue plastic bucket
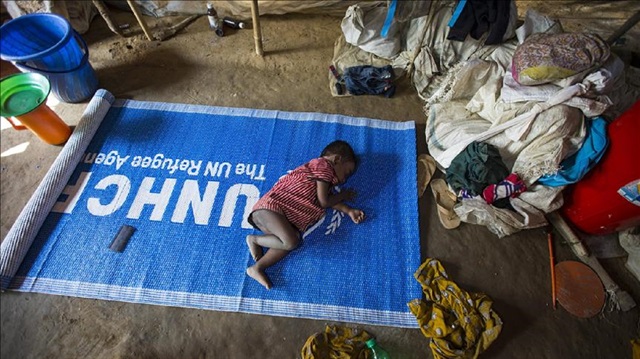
x,y
47,44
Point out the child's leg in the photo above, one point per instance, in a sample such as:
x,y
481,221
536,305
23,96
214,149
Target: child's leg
x,y
270,258
278,232
279,236
254,249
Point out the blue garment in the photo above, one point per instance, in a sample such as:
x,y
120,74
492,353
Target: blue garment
x,y
369,80
576,166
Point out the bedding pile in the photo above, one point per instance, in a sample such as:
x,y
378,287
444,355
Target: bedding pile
x,y
532,97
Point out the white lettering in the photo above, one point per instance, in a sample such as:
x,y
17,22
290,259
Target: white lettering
x,y
195,168
260,175
111,158
135,162
121,161
157,161
159,201
222,165
173,166
184,164
216,169
250,170
190,197
123,184
230,200
211,169
146,162
100,158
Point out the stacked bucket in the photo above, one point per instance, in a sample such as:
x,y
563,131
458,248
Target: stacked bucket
x,y
48,45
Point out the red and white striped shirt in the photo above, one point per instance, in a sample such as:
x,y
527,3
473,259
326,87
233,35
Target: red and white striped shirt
x,y
295,195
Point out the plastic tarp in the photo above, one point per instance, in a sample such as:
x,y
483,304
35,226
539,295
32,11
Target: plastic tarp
x,y
81,12
239,8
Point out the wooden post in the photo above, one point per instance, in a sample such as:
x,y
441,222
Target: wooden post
x,y
257,34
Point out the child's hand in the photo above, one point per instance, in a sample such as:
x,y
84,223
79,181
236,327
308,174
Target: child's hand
x,y
356,215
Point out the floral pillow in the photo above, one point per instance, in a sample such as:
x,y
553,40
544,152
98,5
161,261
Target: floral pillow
x,y
544,58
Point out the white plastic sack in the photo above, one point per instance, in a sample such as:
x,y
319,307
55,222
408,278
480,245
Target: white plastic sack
x,y
529,211
362,27
535,22
78,13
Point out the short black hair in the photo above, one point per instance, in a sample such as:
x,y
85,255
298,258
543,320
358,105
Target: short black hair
x,y
341,148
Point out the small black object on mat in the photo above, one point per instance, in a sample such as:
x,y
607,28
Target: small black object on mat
x,y
122,238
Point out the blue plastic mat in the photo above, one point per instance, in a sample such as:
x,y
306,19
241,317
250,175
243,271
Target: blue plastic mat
x,y
186,177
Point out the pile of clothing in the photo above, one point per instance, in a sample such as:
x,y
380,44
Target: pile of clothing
x,y
535,94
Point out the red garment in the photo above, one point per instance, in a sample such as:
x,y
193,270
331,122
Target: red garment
x,y
295,195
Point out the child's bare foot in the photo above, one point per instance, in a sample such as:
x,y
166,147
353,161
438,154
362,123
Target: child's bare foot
x,y
260,276
254,249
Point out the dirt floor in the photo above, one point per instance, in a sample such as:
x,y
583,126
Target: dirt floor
x,y
196,67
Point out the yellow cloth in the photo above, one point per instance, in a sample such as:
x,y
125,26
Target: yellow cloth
x,y
635,347
337,343
460,324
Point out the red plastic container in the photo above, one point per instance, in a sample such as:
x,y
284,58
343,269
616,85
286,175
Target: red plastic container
x,y
593,205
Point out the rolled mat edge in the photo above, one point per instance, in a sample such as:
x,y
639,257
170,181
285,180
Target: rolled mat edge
x,y
16,244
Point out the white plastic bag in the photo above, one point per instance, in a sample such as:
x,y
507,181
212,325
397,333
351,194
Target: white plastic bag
x,y
362,27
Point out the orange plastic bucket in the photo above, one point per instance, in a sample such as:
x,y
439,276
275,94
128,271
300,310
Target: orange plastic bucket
x,y
23,96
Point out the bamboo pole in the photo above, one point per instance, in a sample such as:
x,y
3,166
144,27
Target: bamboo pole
x,y
631,22
552,266
257,34
143,24
619,297
567,233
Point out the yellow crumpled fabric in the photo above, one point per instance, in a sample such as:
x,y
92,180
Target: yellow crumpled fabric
x,y
337,343
635,348
460,324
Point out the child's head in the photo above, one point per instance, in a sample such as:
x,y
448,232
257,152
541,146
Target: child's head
x,y
343,158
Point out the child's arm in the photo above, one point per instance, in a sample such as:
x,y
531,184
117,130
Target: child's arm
x,y
335,201
326,199
356,215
